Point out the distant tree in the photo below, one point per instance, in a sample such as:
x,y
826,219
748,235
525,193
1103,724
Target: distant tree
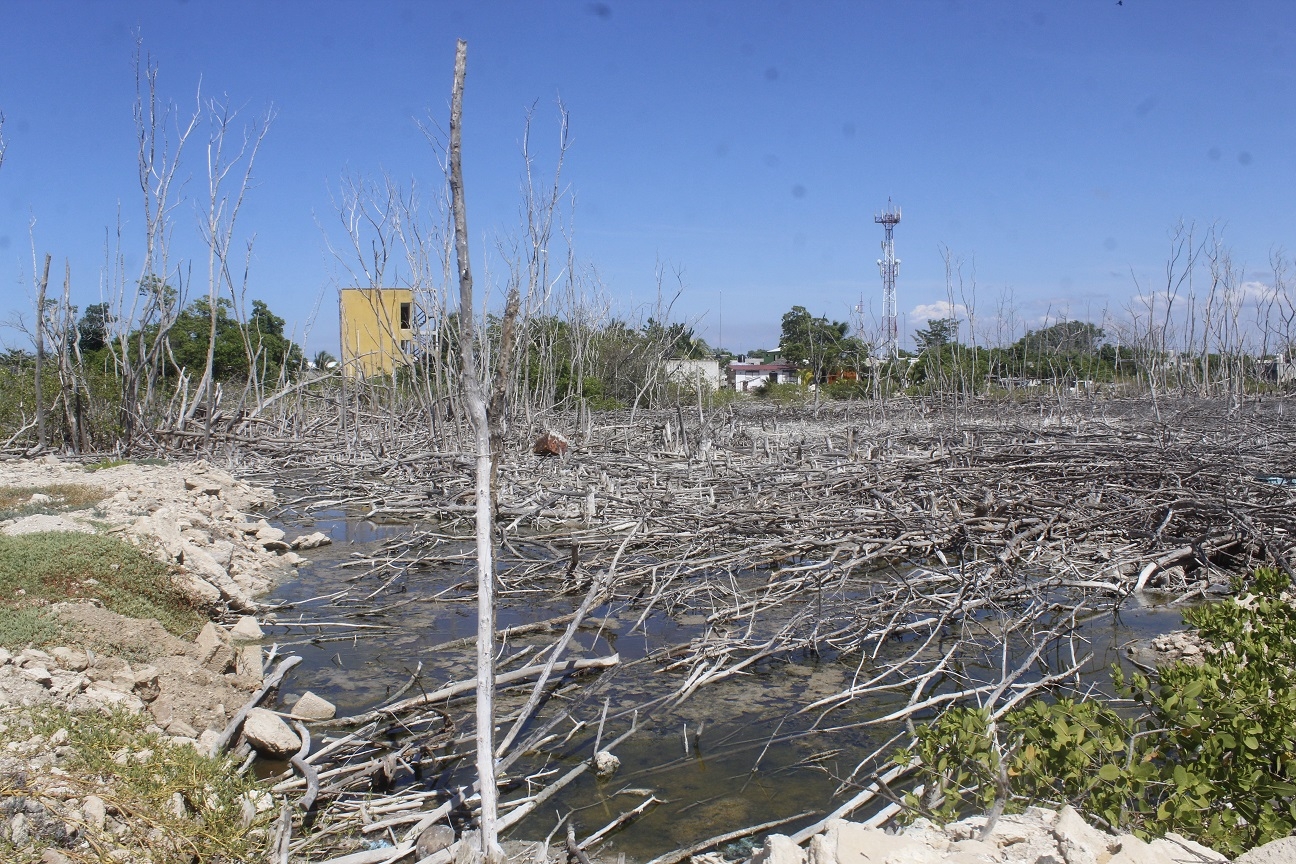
x,y
92,329
678,340
230,361
324,361
814,343
939,333
1064,337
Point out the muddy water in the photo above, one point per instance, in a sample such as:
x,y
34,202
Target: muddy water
x,y
735,754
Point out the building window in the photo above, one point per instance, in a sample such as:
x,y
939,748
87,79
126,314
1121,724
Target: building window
x,y
405,316
407,346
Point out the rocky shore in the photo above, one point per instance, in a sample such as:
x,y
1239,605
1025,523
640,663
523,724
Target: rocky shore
x,y
221,555
204,524
197,519
194,516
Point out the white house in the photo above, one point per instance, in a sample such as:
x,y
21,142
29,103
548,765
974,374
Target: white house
x,y
695,373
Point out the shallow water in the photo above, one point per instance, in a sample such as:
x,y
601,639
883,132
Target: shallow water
x,y
734,754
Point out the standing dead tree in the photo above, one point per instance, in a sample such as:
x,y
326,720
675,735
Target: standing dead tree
x,y
144,321
217,229
41,285
489,425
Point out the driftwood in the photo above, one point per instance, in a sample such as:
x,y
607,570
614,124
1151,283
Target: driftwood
x,y
463,687
924,549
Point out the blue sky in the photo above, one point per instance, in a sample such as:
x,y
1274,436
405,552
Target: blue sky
x,y
1051,146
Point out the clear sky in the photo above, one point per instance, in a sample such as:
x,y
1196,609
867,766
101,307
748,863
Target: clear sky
x,y
1049,145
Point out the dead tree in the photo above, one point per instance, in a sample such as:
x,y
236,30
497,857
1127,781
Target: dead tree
x,y
217,230
475,394
40,353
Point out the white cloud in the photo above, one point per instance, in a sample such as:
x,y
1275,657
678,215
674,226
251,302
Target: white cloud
x,y
939,309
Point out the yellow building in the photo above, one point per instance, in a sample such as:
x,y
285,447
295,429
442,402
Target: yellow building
x,y
377,330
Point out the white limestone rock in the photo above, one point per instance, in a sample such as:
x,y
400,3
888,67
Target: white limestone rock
x,y
312,707
194,588
246,629
605,764
850,843
1135,851
1178,848
311,541
1078,841
214,648
95,811
70,659
1281,851
779,849
269,735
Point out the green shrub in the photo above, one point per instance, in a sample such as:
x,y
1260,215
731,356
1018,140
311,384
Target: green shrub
x,y
844,390
781,394
1212,755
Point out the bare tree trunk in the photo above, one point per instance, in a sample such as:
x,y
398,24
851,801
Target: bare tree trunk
x,y
40,353
474,392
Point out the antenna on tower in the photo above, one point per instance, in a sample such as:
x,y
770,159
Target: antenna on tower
x,y
889,266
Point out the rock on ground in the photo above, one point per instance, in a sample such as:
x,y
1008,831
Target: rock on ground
x,y
269,735
1281,851
312,707
186,687
1038,836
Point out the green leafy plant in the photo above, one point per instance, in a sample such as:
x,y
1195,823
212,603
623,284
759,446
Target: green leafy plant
x,y
1211,755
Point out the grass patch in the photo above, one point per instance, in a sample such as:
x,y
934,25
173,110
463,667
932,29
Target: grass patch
x,y
15,501
43,568
138,775
117,463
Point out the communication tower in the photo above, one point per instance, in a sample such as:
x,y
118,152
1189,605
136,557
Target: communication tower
x,y
889,266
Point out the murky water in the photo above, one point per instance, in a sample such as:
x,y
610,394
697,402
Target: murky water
x,y
735,754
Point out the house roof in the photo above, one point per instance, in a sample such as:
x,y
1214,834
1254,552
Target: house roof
x,y
762,367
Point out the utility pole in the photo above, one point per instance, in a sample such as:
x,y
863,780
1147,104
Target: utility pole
x,y
889,266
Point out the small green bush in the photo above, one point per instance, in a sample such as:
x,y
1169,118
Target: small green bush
x,y
781,394
42,568
1212,755
846,390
